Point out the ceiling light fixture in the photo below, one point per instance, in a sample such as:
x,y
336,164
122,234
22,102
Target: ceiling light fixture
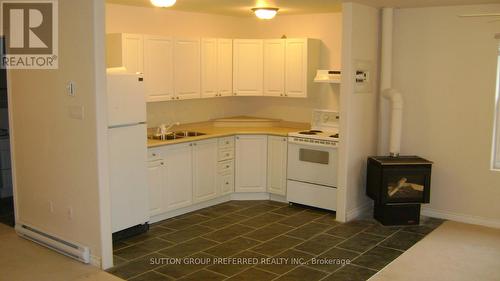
x,y
163,3
265,13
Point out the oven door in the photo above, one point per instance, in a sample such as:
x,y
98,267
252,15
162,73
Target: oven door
x,y
311,163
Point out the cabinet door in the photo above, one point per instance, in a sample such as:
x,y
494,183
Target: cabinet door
x,y
209,67
204,170
226,183
276,164
248,67
296,68
157,187
178,160
133,53
187,68
158,68
274,67
251,163
225,67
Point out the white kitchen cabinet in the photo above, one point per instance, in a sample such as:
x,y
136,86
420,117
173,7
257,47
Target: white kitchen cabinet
x,y
302,57
125,50
187,68
216,67
225,67
274,67
205,170
158,68
248,69
276,164
157,182
179,170
251,163
209,67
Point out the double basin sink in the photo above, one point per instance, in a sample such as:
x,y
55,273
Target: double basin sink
x,y
175,135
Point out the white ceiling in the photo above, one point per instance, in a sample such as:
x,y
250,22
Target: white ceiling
x,y
292,7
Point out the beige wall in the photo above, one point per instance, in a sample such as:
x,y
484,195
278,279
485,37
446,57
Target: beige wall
x,y
358,110
55,156
445,66
327,27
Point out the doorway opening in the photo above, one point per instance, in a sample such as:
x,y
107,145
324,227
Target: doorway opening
x,y
6,191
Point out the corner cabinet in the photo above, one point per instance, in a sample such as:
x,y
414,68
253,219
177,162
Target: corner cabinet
x,y
248,70
251,163
277,152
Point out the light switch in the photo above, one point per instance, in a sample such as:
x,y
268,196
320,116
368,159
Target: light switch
x,y
76,112
71,89
362,80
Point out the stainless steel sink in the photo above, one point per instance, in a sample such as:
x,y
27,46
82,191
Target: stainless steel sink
x,y
169,136
175,135
188,134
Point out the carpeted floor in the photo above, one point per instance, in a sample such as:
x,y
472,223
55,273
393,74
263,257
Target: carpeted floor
x,y
455,251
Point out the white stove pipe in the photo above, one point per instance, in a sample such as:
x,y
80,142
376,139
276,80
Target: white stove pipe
x,y
387,91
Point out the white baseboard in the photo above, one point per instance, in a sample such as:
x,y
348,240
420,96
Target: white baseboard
x,y
360,211
428,212
277,198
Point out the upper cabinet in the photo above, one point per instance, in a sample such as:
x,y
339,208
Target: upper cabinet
x,y
187,68
125,50
216,67
274,67
159,68
302,61
225,67
248,70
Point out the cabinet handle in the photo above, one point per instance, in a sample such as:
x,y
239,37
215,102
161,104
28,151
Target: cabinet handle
x,y
227,142
162,163
227,154
227,182
177,98
190,144
154,154
227,166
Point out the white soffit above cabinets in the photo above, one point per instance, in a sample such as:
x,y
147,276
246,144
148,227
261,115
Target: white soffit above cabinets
x,y
242,8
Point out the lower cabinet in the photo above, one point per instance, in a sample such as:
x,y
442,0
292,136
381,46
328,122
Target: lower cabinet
x,y
205,155
251,163
179,170
276,164
181,175
157,180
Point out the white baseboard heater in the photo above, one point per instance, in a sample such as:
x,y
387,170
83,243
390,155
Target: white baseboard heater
x,y
69,249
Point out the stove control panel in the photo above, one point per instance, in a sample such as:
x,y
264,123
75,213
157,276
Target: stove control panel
x,y
309,141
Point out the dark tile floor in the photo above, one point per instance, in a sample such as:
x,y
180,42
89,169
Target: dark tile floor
x,y
7,211
263,240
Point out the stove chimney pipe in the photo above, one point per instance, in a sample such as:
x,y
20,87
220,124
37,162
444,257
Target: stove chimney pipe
x,y
387,91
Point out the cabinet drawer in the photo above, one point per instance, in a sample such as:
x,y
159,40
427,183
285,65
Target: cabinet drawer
x,y
227,142
154,154
226,183
226,154
226,167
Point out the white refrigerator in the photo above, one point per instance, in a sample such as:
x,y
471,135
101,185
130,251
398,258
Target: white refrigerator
x,y
127,150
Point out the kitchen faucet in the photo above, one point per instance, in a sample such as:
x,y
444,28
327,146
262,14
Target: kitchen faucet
x,y
164,129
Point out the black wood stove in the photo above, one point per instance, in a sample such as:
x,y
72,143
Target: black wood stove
x,y
398,185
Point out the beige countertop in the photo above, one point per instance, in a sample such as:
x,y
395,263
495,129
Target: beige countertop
x,y
280,129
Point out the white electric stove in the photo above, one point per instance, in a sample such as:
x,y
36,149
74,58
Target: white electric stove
x,y
313,162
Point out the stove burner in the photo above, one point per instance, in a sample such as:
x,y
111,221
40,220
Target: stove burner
x,y
335,136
